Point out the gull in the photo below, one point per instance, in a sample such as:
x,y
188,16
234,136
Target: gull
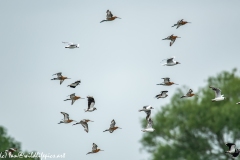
x,y
180,23
75,84
232,150
163,94
147,110
167,82
170,62
60,77
71,45
218,96
189,94
109,17
66,118
91,103
172,38
84,124
112,127
238,103
149,126
10,151
73,98
95,149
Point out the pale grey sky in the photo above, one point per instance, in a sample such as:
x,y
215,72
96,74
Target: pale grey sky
x,y
118,63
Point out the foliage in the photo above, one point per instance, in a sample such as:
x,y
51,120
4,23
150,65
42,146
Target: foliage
x,y
197,128
7,142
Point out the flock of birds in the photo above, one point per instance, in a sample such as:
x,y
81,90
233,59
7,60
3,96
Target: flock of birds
x,y
233,151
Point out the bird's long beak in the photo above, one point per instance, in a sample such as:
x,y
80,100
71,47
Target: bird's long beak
x,y
176,84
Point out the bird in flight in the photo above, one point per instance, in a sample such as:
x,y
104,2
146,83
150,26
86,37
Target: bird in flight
x,y
167,82
84,123
66,118
218,94
170,62
109,17
163,94
71,45
172,38
73,98
180,23
91,103
147,110
75,84
112,127
189,94
60,77
94,149
233,151
10,151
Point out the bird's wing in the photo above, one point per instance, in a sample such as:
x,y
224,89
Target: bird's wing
x,y
189,92
231,146
150,123
94,147
109,14
148,112
180,21
72,95
85,125
166,80
164,93
61,81
112,123
59,73
217,91
73,101
148,107
170,60
66,116
75,84
91,102
145,107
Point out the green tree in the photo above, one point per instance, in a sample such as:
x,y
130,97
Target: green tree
x,y
7,142
197,128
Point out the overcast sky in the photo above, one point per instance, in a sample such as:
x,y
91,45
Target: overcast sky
x,y
118,63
